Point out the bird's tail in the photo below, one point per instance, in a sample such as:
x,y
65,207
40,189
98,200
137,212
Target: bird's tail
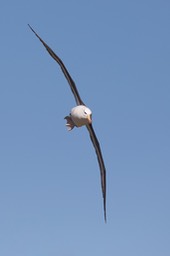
x,y
70,125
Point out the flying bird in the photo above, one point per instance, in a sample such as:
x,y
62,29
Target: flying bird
x,y
79,116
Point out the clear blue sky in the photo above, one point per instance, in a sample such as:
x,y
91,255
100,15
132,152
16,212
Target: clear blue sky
x,y
118,53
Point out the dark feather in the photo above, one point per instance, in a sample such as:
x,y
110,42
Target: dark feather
x,y
101,163
63,68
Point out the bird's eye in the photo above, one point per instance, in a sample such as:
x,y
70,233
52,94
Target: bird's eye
x,y
85,112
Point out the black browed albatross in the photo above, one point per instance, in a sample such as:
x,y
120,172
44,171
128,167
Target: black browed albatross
x,y
79,116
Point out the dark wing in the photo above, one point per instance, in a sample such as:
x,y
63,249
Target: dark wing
x,y
101,163
63,68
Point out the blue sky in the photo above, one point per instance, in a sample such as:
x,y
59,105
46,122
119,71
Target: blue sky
x,y
118,53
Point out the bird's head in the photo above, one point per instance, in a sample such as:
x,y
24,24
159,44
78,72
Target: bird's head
x,y
87,114
81,115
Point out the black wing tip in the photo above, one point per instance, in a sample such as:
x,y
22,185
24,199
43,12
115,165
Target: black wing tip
x,y
30,27
33,30
105,215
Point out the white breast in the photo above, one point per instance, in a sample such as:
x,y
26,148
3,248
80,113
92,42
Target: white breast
x,y
79,115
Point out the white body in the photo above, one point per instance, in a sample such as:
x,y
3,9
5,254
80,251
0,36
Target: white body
x,y
79,116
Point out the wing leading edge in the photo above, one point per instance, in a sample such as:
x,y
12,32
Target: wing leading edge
x,y
96,145
63,68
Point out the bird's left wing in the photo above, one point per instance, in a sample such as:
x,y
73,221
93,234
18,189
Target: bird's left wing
x,y
101,163
63,68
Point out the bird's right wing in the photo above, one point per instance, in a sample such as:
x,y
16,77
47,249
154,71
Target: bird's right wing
x,y
63,68
96,145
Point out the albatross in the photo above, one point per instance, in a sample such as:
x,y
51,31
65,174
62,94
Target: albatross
x,y
79,116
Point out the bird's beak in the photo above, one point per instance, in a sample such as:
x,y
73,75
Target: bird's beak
x,y
89,117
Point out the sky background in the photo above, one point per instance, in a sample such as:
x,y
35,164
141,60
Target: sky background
x,y
118,53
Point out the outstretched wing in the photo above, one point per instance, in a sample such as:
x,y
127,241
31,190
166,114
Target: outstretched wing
x,y
63,68
101,163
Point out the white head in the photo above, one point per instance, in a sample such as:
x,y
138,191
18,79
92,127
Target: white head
x,y
81,115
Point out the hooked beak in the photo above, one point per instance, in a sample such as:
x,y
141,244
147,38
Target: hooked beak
x,y
89,117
